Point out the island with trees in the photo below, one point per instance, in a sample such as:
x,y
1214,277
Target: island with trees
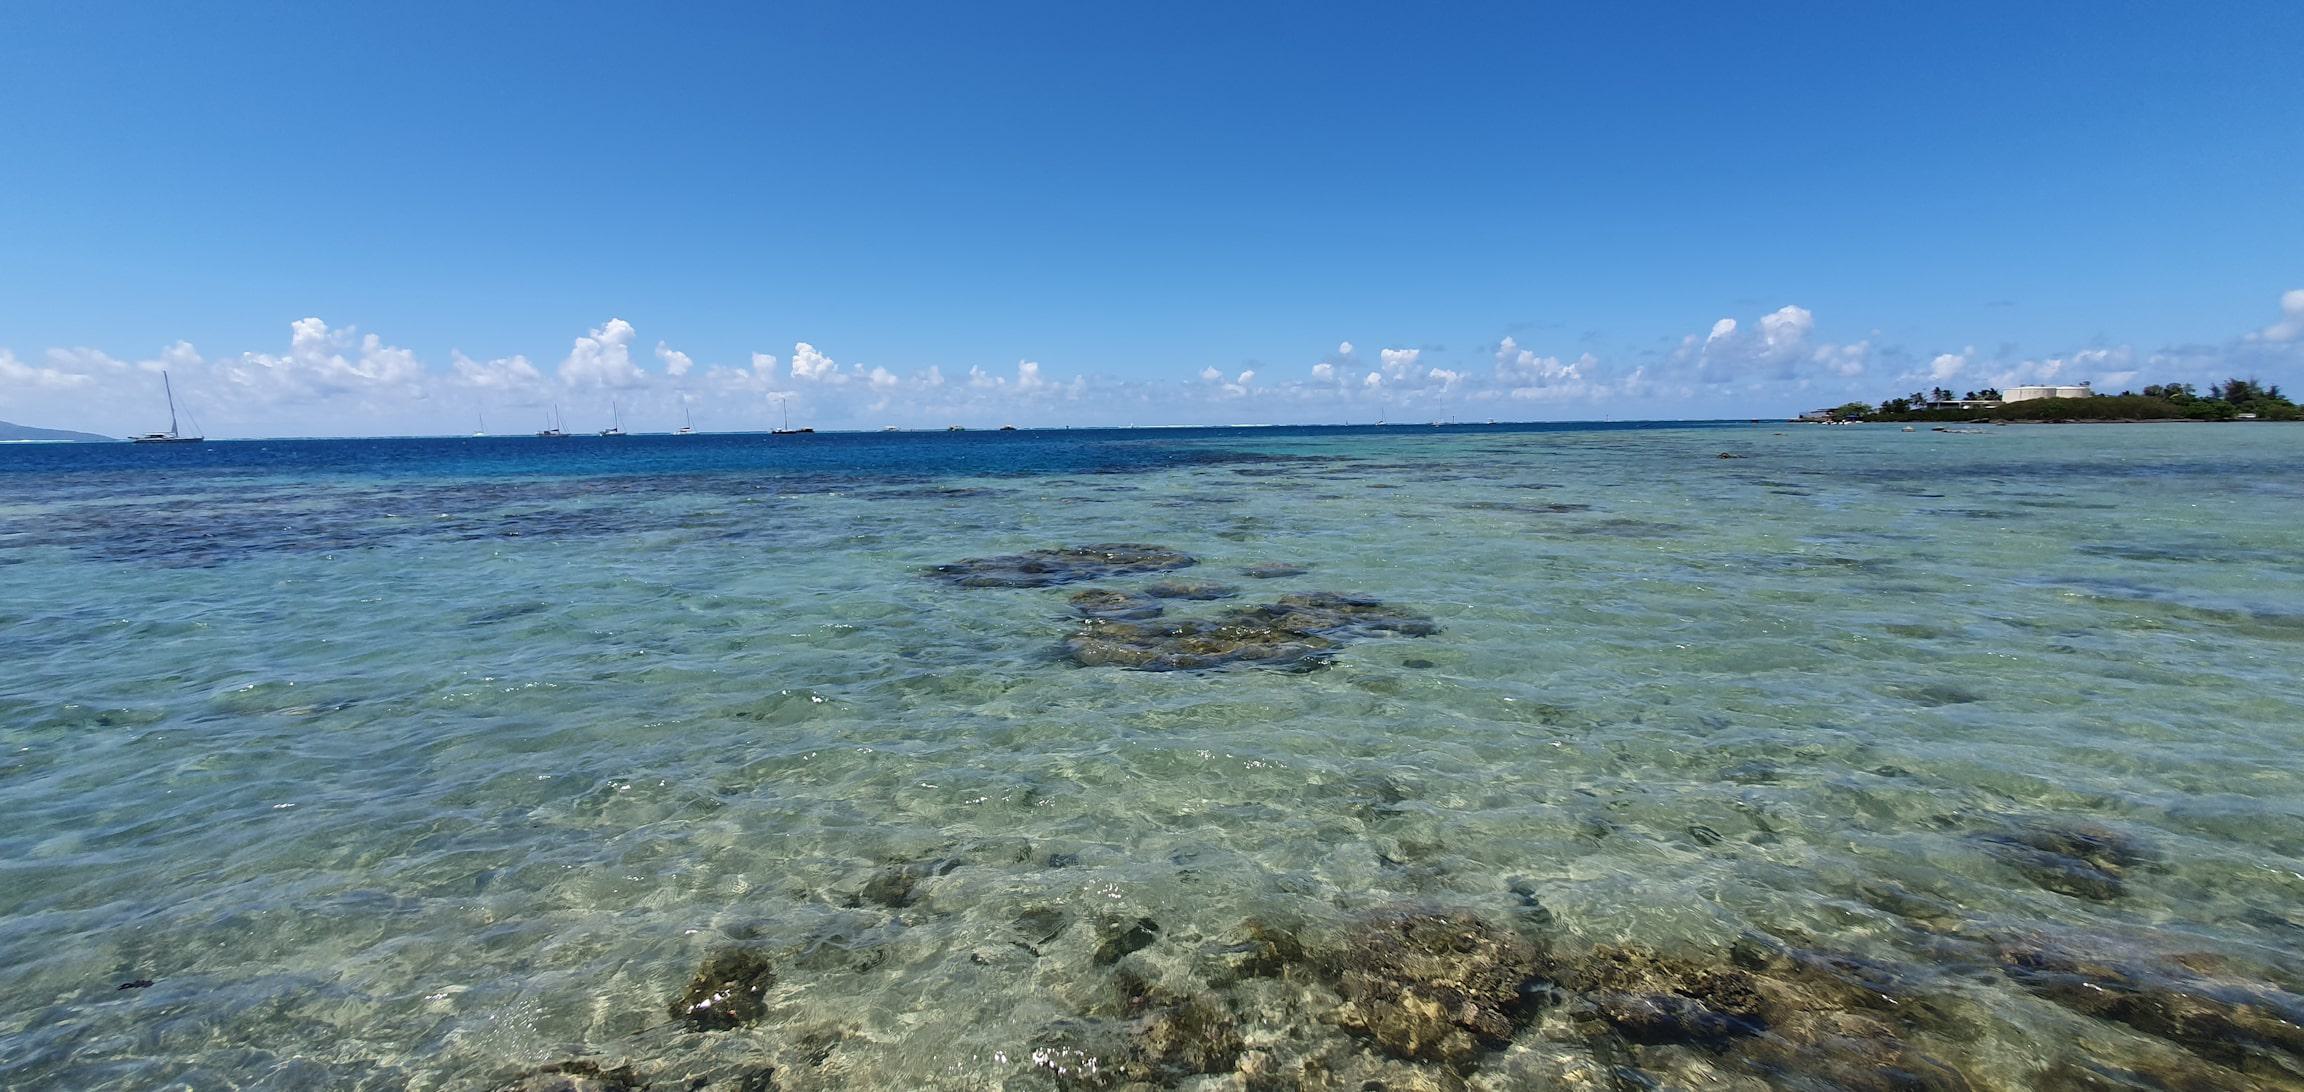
x,y
2231,400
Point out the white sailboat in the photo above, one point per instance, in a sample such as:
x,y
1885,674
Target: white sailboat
x,y
171,436
552,427
687,422
616,417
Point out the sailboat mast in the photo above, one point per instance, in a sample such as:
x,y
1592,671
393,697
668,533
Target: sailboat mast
x,y
171,389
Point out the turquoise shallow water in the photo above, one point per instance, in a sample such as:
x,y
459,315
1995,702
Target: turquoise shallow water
x,y
424,763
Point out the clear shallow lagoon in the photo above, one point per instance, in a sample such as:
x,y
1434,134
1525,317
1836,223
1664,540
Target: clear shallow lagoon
x,y
422,763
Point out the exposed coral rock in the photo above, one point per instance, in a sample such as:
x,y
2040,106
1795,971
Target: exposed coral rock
x,y
1063,565
727,992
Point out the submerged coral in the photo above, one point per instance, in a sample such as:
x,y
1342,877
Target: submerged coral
x,y
2084,860
729,991
1062,565
1274,570
1190,589
1432,986
1107,603
2250,1026
1193,645
577,1076
1298,632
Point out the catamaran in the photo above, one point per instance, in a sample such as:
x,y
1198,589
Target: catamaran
x,y
171,436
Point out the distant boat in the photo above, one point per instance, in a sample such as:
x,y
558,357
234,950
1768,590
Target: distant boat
x,y
787,430
616,419
687,425
954,428
171,436
552,426
1007,428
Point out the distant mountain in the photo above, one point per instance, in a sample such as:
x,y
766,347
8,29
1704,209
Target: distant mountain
x,y
10,431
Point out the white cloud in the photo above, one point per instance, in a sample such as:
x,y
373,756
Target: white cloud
x,y
14,372
2291,324
1950,365
505,373
1400,363
1720,329
1324,371
1374,380
676,363
882,379
1522,366
322,362
1211,375
603,359
809,364
1843,360
1028,376
1344,350
1785,328
1246,377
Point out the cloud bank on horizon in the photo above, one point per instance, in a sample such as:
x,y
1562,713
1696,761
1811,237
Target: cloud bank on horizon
x,y
339,381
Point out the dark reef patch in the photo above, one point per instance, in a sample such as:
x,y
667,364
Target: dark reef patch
x,y
2083,860
1273,571
729,991
1123,605
1190,589
1063,565
577,1076
1297,633
1441,987
2250,1026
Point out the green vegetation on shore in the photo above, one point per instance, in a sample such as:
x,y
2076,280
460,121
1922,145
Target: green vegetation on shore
x,y
2231,400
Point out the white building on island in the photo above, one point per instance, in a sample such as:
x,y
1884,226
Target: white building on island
x,y
2026,394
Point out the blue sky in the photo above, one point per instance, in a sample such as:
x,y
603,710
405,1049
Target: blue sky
x,y
1143,203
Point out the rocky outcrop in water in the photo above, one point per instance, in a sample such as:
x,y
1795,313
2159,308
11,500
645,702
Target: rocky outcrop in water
x,y
1062,565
